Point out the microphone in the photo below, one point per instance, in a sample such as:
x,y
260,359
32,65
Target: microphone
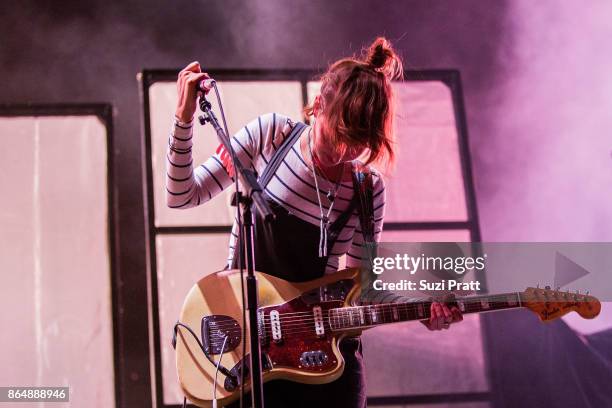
x,y
206,85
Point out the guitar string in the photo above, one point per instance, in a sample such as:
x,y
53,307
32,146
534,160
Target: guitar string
x,y
344,324
465,301
300,329
305,328
343,315
312,334
384,307
293,333
386,317
344,312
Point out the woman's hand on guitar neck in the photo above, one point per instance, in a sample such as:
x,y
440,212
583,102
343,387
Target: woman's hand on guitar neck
x,y
442,315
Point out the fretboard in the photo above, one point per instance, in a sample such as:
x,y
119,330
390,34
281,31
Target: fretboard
x,y
347,318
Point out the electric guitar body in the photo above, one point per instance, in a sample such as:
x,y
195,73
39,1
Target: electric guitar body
x,y
300,326
297,342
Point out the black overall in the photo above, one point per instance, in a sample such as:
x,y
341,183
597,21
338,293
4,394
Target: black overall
x,y
288,248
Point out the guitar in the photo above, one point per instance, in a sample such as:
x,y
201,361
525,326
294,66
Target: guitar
x,y
302,324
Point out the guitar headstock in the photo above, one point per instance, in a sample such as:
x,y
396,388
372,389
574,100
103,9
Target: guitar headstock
x,y
551,304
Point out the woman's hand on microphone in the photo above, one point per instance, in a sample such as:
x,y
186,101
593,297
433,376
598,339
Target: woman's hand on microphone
x,y
187,88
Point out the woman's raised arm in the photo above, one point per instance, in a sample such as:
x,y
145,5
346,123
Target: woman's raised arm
x,y
187,186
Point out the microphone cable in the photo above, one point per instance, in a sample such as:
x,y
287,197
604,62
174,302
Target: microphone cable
x,y
214,402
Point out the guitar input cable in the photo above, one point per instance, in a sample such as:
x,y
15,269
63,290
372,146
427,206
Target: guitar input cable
x,y
224,370
214,401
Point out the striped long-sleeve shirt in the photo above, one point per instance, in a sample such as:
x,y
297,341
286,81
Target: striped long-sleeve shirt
x,y
293,185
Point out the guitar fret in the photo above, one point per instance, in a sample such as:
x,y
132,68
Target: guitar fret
x,y
395,313
354,317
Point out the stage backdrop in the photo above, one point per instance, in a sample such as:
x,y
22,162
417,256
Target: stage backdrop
x,y
429,198
56,253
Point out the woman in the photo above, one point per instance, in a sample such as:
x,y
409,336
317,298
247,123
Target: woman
x,y
311,191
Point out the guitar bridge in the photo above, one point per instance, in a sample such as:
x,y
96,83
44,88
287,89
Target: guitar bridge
x,y
215,329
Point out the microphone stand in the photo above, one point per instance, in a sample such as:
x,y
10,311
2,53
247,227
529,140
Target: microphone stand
x,y
253,195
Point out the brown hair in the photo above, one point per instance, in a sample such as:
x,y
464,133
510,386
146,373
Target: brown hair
x,y
357,101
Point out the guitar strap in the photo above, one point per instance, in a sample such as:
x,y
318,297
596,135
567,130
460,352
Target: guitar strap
x,y
280,153
364,196
364,192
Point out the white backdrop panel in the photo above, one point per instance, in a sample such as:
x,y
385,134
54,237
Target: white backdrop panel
x,y
406,358
426,236
182,260
54,256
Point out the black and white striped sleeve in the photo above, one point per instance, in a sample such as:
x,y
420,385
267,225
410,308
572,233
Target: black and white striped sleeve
x,y
187,186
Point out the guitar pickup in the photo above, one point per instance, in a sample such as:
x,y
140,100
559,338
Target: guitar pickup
x,y
275,326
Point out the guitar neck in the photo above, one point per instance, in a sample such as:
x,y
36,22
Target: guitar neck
x,y
350,318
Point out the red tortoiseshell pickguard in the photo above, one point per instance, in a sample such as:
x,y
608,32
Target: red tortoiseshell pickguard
x,y
299,336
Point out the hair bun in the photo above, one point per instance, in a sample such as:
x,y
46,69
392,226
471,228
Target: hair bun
x,y
382,58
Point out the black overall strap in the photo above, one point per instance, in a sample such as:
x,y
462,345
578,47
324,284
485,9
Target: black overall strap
x,y
364,191
338,225
363,201
364,195
280,153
